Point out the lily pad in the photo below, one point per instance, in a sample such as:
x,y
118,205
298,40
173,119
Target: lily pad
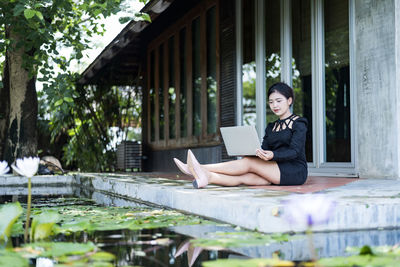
x,y
9,213
238,239
360,260
102,256
12,259
89,218
42,224
248,263
57,249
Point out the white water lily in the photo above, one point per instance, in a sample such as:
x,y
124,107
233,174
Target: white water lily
x,y
4,167
308,210
27,167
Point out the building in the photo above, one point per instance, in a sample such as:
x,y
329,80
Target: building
x,y
207,64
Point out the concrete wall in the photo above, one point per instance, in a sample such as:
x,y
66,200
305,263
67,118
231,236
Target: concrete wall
x,y
377,66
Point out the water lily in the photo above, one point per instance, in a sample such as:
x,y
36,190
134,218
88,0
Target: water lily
x,y
27,167
308,210
4,167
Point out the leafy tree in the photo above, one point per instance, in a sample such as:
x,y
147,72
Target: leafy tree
x,y
31,34
81,120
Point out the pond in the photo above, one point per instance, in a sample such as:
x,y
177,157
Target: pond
x,y
146,241
121,232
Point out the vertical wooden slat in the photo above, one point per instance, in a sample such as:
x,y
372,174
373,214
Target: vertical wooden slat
x,y
156,88
203,72
189,80
177,86
165,91
228,66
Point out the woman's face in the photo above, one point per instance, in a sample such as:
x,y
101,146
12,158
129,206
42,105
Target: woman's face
x,y
280,105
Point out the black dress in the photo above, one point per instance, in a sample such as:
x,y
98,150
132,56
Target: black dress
x,y
287,138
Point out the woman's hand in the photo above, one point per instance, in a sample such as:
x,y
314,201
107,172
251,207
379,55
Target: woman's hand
x,y
265,154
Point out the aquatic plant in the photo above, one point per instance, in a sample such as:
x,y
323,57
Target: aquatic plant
x,y
256,262
27,167
223,240
43,223
308,210
90,218
12,259
68,253
9,213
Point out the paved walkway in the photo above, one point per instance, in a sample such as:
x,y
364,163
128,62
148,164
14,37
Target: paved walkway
x,y
361,203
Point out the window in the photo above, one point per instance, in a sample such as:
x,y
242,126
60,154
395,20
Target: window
x,y
183,67
196,77
171,87
183,82
301,66
337,81
314,57
211,36
152,98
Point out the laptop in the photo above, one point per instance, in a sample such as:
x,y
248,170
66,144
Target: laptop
x,y
240,140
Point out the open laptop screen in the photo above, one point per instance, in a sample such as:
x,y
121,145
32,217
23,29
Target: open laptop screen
x,y
240,140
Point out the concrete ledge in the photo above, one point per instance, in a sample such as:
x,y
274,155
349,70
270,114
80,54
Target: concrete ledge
x,y
11,180
364,204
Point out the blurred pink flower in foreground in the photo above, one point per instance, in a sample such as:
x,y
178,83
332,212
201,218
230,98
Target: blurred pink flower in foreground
x,y
27,167
4,167
308,210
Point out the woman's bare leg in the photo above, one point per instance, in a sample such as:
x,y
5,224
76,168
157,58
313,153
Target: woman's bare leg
x,y
248,171
233,167
234,180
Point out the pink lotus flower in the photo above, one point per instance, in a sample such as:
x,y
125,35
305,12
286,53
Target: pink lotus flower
x,y
4,167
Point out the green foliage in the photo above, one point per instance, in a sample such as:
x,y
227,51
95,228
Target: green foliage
x,y
9,213
41,27
85,116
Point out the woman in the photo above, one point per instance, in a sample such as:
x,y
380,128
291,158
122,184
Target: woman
x,y
281,159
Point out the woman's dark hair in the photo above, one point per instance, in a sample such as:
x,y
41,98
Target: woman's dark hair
x,y
283,89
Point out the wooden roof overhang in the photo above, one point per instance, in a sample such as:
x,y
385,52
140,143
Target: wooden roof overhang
x,y
118,63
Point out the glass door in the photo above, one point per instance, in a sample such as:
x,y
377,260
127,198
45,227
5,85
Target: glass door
x,y
309,45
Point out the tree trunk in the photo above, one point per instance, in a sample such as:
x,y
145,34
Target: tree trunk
x,y
4,109
21,139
